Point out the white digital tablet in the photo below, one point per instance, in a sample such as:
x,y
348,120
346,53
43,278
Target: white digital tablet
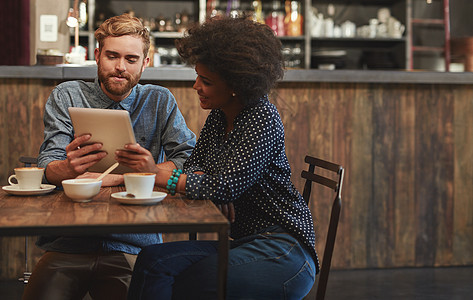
x,y
110,127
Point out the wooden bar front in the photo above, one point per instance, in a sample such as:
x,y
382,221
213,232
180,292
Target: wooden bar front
x,y
407,149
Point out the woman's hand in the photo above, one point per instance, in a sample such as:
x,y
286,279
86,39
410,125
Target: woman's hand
x,y
137,158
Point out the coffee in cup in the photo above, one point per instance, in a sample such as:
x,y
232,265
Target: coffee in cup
x,y
139,185
27,177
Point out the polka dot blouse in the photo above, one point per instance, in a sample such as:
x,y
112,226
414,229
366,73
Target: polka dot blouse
x,y
249,168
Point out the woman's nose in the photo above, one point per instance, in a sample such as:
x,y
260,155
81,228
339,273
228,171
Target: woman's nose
x,y
196,85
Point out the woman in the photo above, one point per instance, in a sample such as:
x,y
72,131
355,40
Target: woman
x,y
239,161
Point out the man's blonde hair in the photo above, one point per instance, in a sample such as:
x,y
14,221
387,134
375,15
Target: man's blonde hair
x,y
120,26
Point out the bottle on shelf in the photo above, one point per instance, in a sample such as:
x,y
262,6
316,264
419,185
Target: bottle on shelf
x,y
214,8
258,11
275,19
293,20
83,15
235,11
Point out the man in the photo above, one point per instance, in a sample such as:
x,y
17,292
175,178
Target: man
x,y
102,265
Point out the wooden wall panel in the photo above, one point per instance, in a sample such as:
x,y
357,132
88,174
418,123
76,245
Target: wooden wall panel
x,y
407,150
463,176
400,193
379,212
358,179
434,174
403,187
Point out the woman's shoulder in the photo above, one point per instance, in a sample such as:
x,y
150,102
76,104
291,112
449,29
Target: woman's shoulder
x,y
263,110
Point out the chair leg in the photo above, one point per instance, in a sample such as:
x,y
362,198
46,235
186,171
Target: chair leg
x,y
26,274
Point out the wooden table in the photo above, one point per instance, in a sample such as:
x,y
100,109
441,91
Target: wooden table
x,y
56,214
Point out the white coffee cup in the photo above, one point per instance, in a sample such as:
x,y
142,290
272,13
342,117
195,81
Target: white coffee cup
x,y
75,58
139,185
27,177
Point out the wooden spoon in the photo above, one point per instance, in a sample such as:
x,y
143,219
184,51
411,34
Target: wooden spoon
x,y
107,172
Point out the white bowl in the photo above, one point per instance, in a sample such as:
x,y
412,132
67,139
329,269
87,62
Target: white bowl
x,y
81,190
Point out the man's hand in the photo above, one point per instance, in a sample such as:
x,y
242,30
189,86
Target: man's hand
x,y
80,158
136,157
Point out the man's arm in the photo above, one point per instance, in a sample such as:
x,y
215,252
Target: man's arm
x,y
177,139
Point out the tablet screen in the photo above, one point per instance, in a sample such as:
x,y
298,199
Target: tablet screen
x,y
110,127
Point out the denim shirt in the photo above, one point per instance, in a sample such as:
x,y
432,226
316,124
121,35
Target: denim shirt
x,y
158,126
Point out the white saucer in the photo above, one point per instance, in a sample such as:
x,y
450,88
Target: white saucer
x,y
15,190
155,198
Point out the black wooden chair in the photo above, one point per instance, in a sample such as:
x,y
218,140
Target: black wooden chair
x,y
316,167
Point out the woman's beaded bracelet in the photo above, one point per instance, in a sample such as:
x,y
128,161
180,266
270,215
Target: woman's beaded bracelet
x,y
172,181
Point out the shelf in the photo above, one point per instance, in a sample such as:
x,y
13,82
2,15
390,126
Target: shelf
x,y
439,22
292,38
386,50
167,35
305,44
361,39
363,2
427,49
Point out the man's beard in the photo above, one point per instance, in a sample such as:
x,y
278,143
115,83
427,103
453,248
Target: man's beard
x,y
117,89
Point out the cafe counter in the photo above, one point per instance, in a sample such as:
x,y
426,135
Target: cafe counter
x,y
67,72
404,138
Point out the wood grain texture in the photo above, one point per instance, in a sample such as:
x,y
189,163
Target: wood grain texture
x,y
463,176
407,150
404,206
55,213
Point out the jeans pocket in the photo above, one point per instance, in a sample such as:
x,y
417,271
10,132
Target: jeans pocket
x,y
300,284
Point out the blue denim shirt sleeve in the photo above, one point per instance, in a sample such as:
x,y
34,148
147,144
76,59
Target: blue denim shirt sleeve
x,y
177,140
58,131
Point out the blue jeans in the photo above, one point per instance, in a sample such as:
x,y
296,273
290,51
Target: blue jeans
x,y
270,265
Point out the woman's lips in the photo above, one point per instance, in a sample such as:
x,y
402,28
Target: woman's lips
x,y
202,98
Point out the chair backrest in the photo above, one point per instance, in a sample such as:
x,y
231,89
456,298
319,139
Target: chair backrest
x,y
315,166
28,160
